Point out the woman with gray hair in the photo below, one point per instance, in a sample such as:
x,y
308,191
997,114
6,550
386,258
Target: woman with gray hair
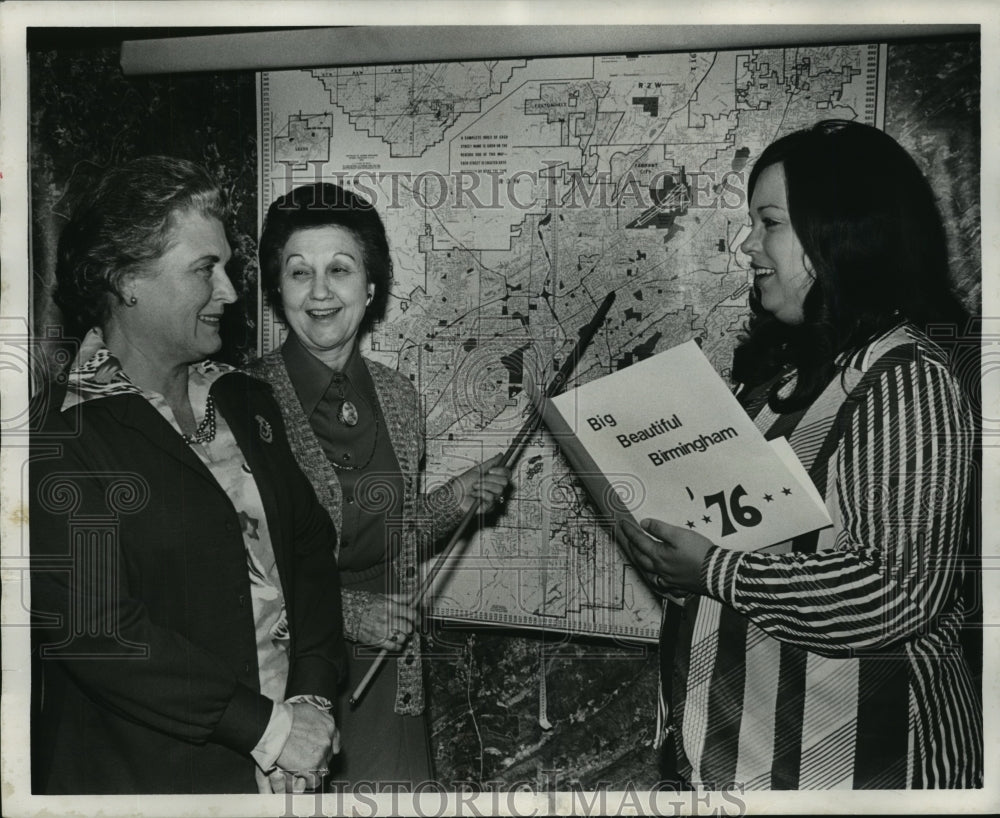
x,y
188,634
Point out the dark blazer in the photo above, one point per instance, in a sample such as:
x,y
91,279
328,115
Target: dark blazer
x,y
145,672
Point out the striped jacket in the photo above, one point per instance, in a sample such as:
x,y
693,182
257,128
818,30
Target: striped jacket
x,y
833,661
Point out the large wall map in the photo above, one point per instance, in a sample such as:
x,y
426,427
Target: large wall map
x,y
516,195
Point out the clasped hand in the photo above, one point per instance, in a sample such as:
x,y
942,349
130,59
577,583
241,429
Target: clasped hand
x,y
669,556
484,483
306,755
388,622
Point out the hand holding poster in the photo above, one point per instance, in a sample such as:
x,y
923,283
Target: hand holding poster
x,y
665,438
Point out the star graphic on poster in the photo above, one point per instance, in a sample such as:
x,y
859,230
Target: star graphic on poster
x,y
706,518
769,498
690,524
786,491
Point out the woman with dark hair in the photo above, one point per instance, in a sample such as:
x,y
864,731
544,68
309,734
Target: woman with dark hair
x,y
357,430
188,620
834,660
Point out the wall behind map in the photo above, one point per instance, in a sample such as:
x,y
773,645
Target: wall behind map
x,y
484,690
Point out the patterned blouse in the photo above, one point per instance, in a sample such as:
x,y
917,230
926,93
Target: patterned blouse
x,y
97,374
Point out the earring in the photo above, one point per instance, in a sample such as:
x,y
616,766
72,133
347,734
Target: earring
x,y
133,301
369,301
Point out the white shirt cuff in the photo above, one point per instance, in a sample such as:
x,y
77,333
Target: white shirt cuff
x,y
275,735
280,727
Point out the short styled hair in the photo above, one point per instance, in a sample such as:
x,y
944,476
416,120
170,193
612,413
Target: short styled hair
x,y
121,225
324,204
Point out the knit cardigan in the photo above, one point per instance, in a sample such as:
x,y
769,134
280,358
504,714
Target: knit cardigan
x,y
427,518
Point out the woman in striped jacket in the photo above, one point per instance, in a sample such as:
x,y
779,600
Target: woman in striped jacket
x,y
834,661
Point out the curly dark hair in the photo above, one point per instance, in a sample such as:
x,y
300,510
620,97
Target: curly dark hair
x,y
121,225
324,204
868,222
